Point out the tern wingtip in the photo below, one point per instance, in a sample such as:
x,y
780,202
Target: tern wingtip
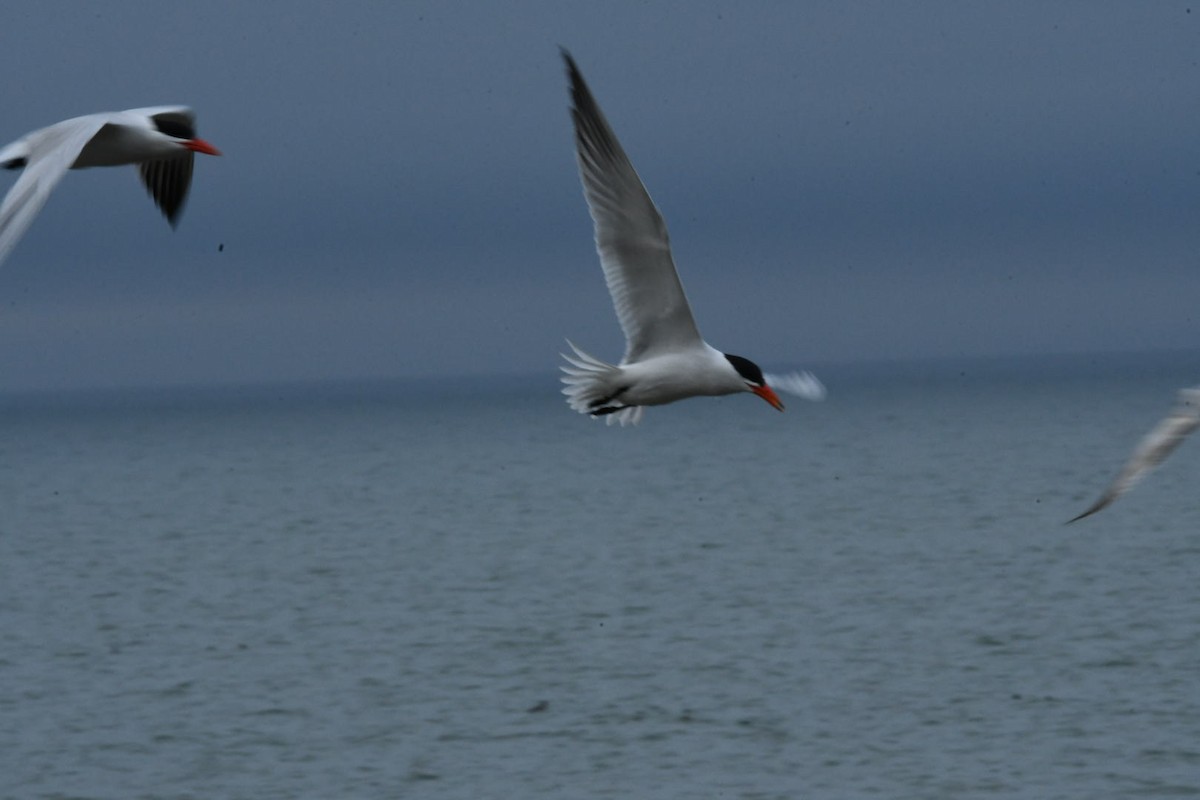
x,y
1088,513
573,73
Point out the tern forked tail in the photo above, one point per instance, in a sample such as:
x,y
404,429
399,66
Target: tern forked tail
x,y
594,387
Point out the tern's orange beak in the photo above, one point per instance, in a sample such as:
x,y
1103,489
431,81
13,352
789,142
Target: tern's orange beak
x,y
768,394
201,146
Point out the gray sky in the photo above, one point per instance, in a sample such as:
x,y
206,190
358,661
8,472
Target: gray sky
x,y
398,196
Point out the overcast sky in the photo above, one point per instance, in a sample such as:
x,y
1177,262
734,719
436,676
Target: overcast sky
x,y
398,196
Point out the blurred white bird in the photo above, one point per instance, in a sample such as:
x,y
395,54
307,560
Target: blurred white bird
x,y
1153,449
665,357
161,141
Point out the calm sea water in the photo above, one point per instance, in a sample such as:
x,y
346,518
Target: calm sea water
x,y
468,591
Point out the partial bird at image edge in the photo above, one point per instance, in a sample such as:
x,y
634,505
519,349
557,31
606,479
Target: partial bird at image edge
x,y
160,140
1152,450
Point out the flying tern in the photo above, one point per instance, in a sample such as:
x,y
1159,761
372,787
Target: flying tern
x,y
161,141
665,357
1153,449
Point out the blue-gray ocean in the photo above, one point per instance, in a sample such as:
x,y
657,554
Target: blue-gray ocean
x,y
461,589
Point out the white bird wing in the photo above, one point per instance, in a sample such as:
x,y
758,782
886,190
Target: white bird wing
x,y
1153,449
631,236
804,385
52,152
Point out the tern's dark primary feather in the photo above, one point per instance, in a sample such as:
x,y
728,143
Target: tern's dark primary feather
x,y
168,181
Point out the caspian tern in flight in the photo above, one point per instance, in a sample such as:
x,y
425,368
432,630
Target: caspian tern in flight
x,y
1153,449
665,357
161,141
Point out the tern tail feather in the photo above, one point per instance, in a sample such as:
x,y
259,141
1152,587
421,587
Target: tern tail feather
x,y
594,387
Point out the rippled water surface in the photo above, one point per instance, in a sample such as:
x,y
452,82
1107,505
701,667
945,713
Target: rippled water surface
x,y
468,591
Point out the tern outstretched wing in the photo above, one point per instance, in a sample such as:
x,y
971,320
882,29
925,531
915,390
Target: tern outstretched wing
x,y
1153,449
631,236
50,153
